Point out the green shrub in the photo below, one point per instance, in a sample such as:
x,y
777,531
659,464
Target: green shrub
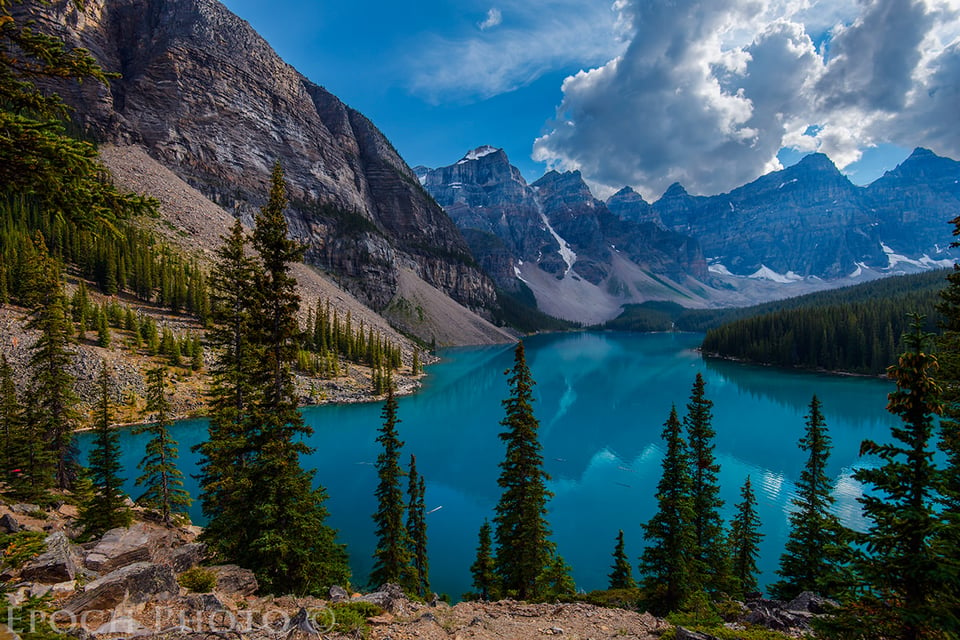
x,y
19,547
198,580
351,617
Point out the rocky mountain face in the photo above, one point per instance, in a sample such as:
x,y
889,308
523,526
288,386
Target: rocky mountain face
x,y
209,98
555,224
810,220
789,232
915,202
497,211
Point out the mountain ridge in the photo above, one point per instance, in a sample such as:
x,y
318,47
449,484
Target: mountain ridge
x,y
799,229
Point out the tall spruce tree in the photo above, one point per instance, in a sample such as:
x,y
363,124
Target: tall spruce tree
x,y
53,403
818,547
744,542
417,528
668,565
709,551
903,591
273,520
483,568
392,557
622,575
522,533
106,508
226,455
11,426
161,479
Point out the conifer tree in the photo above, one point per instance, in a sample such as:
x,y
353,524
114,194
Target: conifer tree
x,y
106,508
668,563
817,549
707,525
622,575
904,592
417,528
522,533
161,479
392,557
227,453
196,355
272,519
53,400
744,542
556,580
103,329
11,427
483,568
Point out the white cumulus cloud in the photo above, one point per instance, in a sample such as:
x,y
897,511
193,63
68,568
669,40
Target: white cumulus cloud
x,y
494,18
708,91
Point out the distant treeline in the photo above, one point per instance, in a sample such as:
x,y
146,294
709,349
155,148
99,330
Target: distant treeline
x,y
855,329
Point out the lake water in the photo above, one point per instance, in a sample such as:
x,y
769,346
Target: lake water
x,y
601,399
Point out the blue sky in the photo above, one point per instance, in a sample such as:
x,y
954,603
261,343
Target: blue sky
x,y
710,93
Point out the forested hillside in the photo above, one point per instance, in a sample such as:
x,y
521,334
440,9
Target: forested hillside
x,y
857,329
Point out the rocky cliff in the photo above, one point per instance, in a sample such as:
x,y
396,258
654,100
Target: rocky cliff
x,y
208,98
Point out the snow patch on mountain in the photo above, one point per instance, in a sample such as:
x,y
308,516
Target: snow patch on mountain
x,y
517,272
766,273
924,262
567,254
478,153
719,268
859,270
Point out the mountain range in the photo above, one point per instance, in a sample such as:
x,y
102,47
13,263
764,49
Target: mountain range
x,y
804,228
207,98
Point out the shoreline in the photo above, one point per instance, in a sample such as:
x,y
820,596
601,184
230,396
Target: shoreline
x,y
832,372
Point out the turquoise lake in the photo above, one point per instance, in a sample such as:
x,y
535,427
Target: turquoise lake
x,y
601,399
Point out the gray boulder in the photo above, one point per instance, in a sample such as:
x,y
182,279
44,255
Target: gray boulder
x,y
9,524
338,594
187,556
809,602
56,564
202,602
234,580
389,597
25,509
136,583
120,547
772,615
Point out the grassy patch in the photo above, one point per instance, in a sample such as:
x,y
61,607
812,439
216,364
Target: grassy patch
x,y
198,580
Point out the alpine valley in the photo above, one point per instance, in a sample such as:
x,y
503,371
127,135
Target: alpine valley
x,y
201,94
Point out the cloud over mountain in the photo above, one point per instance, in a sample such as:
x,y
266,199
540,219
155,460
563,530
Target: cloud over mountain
x,y
708,91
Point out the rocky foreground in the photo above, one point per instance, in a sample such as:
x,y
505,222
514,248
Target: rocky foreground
x,y
136,582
